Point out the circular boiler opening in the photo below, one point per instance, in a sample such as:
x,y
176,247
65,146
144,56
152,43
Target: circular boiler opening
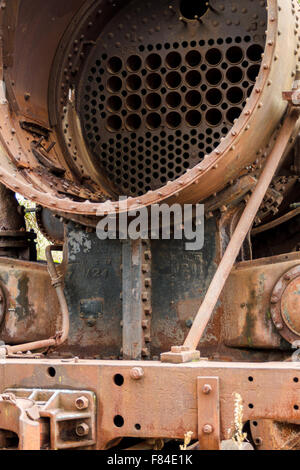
x,y
154,108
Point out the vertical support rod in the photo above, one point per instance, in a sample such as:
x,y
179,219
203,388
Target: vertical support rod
x,y
206,309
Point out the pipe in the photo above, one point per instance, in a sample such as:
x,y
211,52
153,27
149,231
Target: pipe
x,y
58,285
61,336
213,293
274,223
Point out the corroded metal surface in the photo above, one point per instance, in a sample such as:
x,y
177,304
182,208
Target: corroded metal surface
x,y
31,308
58,170
247,321
284,305
156,101
48,419
268,391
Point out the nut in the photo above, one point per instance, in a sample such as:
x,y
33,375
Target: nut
x,y
82,403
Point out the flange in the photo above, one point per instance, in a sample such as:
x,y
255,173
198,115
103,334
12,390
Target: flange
x,y
285,305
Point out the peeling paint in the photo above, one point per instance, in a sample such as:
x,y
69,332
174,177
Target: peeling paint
x,y
78,241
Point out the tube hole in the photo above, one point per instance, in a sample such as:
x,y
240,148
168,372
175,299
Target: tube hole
x,y
133,102
235,95
252,72
232,114
214,76
153,100
193,58
213,117
193,98
193,118
173,120
153,61
213,56
114,103
153,121
234,74
134,63
173,99
133,82
133,122
114,64
173,60
114,84
173,79
254,52
193,78
114,123
234,54
214,96
153,81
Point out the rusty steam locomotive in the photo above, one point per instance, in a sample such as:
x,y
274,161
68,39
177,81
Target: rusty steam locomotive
x,y
114,106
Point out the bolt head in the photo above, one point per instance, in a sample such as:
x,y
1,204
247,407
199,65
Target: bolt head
x,y
207,429
136,373
82,429
279,326
82,403
274,299
206,389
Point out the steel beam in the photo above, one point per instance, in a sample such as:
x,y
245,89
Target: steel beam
x,y
163,401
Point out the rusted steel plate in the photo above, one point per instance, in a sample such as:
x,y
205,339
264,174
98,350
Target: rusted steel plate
x,y
246,298
268,391
28,296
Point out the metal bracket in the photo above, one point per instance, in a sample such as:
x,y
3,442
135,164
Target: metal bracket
x,y
137,311
208,413
71,415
